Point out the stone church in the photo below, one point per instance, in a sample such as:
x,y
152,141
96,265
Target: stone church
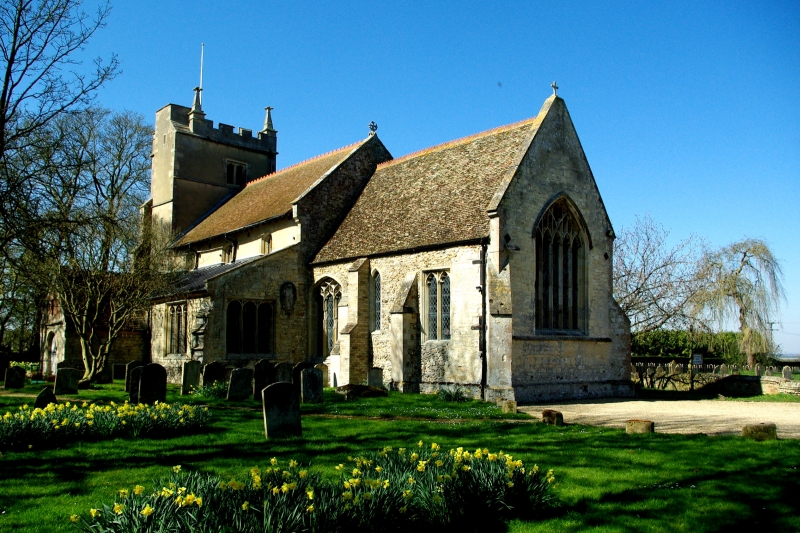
x,y
484,262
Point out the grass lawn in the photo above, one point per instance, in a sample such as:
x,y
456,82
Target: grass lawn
x,y
607,480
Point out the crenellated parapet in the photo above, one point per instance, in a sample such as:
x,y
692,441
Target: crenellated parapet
x,y
180,116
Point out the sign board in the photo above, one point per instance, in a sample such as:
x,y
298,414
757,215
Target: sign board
x,y
697,359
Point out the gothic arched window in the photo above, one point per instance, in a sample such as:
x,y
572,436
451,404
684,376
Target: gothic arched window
x,y
176,329
437,306
560,271
376,301
249,328
331,295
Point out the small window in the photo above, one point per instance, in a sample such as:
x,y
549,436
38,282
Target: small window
x,y
437,306
227,253
266,244
331,294
376,301
176,329
249,328
236,173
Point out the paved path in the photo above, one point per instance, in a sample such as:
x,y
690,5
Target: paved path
x,y
712,417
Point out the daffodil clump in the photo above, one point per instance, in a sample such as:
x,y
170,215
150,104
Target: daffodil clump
x,y
392,490
66,422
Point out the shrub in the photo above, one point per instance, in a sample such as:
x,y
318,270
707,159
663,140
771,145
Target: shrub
x,y
217,389
389,490
61,423
453,393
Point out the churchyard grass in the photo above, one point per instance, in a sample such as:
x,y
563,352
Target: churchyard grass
x,y
607,480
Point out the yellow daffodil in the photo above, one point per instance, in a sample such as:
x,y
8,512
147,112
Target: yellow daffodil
x,y
245,506
147,511
176,468
75,518
273,461
118,508
94,512
310,509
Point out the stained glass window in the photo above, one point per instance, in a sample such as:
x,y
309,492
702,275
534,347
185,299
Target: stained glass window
x,y
376,299
445,306
433,307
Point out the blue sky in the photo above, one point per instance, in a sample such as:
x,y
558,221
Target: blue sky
x,y
688,110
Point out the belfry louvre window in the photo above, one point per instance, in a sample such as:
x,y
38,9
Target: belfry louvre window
x,y
235,173
331,294
176,329
376,301
437,306
249,327
560,271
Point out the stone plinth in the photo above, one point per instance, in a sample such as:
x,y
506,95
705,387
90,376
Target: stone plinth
x,y
760,431
640,426
552,417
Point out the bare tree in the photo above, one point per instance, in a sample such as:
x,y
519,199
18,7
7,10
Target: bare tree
x,y
99,265
743,281
655,285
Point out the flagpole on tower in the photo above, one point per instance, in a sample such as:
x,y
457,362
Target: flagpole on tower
x,y
202,49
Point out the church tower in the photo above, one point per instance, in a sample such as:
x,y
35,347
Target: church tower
x,y
195,166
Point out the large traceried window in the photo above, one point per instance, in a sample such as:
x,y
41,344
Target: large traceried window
x,y
331,294
375,289
249,327
560,271
176,329
437,306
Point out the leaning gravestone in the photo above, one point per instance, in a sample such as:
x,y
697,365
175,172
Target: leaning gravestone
x,y
135,378
768,371
45,398
325,377
67,381
311,385
241,384
296,371
787,372
212,373
15,377
153,384
263,375
375,377
281,405
283,372
190,376
723,369
128,369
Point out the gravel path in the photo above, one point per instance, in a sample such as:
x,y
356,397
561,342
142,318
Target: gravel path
x,y
712,417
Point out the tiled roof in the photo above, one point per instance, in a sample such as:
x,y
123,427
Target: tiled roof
x,y
267,197
432,197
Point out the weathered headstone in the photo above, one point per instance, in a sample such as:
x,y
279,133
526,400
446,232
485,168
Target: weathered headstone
x,y
128,368
241,384
787,372
640,426
759,370
281,405
135,376
768,371
283,372
45,398
760,431
212,373
118,371
311,385
15,377
190,376
552,417
263,375
375,377
723,369
67,381
325,377
296,371
153,384
106,376
64,364
509,406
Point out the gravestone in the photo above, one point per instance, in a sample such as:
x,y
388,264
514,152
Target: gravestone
x,y
759,370
153,384
212,373
106,376
190,376
325,377
15,377
768,371
118,371
263,375
67,381
375,378
281,406
311,385
296,371
135,376
787,372
241,384
283,372
723,369
509,406
128,368
64,364
45,398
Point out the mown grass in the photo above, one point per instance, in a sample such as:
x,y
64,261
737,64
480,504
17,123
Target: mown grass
x,y
607,481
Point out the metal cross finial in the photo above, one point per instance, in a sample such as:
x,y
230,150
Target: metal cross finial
x,y
373,127
555,88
